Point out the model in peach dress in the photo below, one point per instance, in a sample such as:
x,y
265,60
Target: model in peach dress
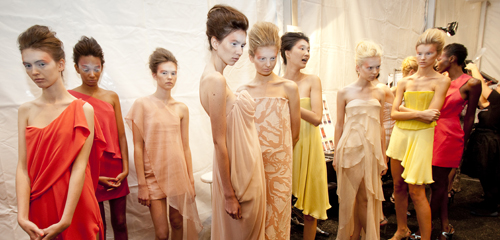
x,y
247,176
272,119
165,167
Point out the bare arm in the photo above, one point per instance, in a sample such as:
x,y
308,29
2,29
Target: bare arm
x,y
382,128
473,95
314,115
339,125
477,75
122,139
217,110
23,185
185,142
401,113
143,195
292,92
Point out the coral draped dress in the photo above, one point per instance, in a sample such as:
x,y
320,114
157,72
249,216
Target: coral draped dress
x,y
51,152
111,160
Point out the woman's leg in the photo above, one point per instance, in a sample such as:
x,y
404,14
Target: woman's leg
x,y
176,222
400,197
103,217
118,217
360,210
417,194
439,197
310,224
158,211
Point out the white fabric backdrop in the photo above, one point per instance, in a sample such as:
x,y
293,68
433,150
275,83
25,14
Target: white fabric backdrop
x,y
491,59
128,31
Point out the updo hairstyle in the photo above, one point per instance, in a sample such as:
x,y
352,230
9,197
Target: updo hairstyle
x,y
263,34
366,49
223,20
41,38
159,56
87,47
432,36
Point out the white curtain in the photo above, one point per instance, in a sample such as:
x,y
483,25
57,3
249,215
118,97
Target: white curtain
x,y
491,59
128,31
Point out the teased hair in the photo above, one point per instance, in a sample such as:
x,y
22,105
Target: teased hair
x,y
408,64
87,47
432,36
41,38
263,34
223,20
159,56
366,49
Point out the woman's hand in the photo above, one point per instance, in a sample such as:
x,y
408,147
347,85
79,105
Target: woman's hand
x,y
121,177
233,207
334,162
108,182
429,115
144,196
32,229
54,230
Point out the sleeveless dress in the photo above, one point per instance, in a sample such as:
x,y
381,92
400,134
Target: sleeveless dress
x,y
360,157
388,122
310,183
111,161
165,166
412,141
448,134
247,177
272,120
51,152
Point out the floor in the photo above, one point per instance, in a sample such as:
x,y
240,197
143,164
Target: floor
x,y
466,225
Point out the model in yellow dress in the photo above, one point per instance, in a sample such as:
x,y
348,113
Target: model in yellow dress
x,y
309,179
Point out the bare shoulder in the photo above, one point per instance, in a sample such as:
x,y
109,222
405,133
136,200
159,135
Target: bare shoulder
x,y
25,108
289,85
214,77
443,79
181,106
473,82
88,109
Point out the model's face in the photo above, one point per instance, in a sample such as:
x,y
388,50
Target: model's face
x,y
166,75
90,69
41,67
231,47
443,63
426,55
299,54
369,69
265,59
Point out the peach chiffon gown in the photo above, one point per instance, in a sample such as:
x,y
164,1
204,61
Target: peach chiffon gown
x,y
247,176
272,119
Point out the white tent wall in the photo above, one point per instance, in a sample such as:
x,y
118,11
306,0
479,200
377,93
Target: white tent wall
x,y
128,31
491,59
336,26
468,24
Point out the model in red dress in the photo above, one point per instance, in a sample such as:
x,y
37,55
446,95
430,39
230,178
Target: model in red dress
x,y
449,137
54,189
113,187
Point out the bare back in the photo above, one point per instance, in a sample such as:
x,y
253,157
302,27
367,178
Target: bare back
x,y
207,87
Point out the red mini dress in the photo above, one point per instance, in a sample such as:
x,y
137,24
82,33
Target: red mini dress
x,y
448,134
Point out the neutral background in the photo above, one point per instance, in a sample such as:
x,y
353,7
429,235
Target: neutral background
x,y
129,30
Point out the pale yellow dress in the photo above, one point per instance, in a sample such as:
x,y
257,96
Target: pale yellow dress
x,y
272,119
310,183
412,141
360,158
247,176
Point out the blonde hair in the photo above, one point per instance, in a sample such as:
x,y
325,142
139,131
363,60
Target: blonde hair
x,y
432,36
366,49
408,64
263,34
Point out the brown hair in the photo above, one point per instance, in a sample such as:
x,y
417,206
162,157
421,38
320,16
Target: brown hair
x,y
87,47
432,36
408,64
223,20
159,56
41,38
288,40
263,34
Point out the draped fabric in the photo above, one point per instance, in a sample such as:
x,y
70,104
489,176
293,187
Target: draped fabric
x,y
51,152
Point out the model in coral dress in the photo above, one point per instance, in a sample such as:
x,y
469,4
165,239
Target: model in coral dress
x,y
247,176
50,154
111,161
272,120
448,134
165,167
360,158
